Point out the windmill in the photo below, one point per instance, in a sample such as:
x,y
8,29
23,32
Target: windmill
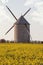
x,y
21,28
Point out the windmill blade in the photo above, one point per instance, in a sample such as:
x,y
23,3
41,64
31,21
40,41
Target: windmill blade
x,y
27,11
9,29
11,12
28,31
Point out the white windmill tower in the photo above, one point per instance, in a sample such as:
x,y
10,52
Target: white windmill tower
x,y
21,28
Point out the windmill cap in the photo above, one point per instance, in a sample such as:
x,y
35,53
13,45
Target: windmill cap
x,y
22,21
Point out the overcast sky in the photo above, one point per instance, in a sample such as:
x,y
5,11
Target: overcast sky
x,y
19,7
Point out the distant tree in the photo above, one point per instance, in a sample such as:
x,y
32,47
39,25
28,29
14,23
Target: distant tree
x,y
7,41
42,42
11,41
2,41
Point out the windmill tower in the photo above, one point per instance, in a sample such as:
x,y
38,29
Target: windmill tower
x,y
21,28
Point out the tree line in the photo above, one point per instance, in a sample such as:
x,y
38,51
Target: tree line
x,y
8,41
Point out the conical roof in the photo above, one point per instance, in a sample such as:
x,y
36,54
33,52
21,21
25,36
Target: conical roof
x,y
22,21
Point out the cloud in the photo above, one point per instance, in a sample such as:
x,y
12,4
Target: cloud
x,y
5,20
4,1
32,2
3,13
28,2
37,7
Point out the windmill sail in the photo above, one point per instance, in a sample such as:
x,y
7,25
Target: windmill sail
x,y
27,12
9,29
11,12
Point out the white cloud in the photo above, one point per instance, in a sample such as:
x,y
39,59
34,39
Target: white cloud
x,y
37,7
4,1
28,2
5,20
31,2
3,13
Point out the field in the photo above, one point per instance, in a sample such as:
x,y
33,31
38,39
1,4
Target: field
x,y
21,54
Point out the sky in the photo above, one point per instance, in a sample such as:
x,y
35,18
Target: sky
x,y
19,7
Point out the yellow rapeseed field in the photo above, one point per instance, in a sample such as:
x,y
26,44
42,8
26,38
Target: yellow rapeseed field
x,y
21,54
